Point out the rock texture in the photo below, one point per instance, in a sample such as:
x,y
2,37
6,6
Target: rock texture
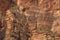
x,y
30,20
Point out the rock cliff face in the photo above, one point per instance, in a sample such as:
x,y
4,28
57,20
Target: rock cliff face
x,y
30,20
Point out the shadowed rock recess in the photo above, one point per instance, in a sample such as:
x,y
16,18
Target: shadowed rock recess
x,y
29,20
